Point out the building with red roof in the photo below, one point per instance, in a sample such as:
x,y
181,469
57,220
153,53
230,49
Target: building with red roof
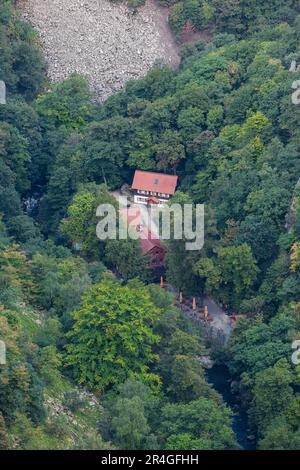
x,y
149,242
153,188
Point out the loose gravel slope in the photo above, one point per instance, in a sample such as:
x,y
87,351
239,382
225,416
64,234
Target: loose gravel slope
x,y
104,41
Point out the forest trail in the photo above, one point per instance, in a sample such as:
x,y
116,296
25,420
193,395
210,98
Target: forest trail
x,y
221,321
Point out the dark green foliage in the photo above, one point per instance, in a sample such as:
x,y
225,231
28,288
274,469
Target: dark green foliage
x,y
200,424
122,320
225,124
22,66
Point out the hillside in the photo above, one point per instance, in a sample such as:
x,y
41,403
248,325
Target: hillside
x,y
98,355
104,41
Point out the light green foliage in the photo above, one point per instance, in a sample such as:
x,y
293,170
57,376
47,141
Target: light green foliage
x,y
80,225
112,336
68,105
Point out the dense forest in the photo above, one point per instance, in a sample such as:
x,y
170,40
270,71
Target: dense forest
x,y
98,356
238,17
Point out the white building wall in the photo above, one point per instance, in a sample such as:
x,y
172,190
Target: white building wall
x,y
144,200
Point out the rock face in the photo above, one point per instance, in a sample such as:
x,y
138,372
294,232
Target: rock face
x,y
107,42
206,362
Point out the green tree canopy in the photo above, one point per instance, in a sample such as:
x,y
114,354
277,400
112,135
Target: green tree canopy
x,y
112,336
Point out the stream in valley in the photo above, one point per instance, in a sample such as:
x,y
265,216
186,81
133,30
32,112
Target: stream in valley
x,y
220,378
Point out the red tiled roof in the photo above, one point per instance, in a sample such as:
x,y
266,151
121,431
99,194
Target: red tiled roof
x,y
149,241
155,182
